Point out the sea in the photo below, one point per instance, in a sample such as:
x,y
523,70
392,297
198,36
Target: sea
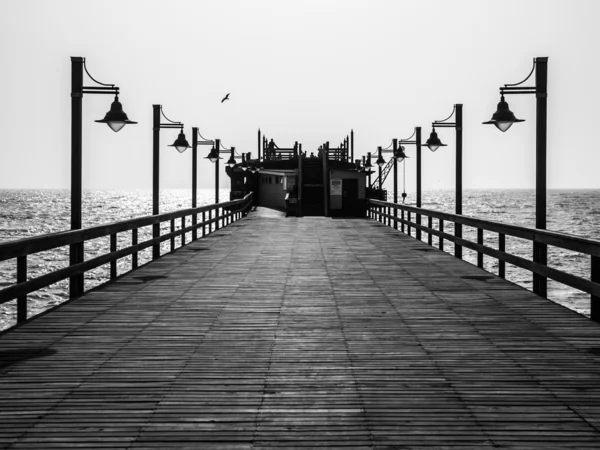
x,y
27,213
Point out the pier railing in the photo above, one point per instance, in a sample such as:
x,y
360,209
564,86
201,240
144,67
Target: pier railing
x,y
212,217
409,218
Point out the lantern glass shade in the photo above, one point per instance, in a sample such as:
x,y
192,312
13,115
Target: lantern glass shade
x,y
181,144
380,161
231,161
503,118
434,141
116,117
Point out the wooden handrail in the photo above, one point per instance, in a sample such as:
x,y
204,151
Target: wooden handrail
x,y
565,241
20,249
554,238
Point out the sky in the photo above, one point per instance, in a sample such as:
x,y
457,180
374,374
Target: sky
x,y
307,71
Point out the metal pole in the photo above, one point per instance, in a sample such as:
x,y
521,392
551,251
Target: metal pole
x,y
418,141
325,156
218,147
395,149
540,251
194,179
155,174
459,201
259,144
379,171
352,145
76,250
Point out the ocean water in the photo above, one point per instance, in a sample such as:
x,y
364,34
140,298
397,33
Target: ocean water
x,y
26,213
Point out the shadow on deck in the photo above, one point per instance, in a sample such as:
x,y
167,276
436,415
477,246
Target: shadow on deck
x,y
303,333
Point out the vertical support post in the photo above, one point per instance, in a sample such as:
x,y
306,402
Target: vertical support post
x,y
409,227
218,148
418,144
502,248
480,242
172,237
216,218
441,240
21,278
155,175
182,232
76,250
113,263
429,235
325,156
194,180
594,300
395,149
402,225
203,223
259,144
379,173
540,251
352,145
458,226
134,241
300,181
210,221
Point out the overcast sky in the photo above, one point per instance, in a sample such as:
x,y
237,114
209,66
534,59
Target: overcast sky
x,y
307,71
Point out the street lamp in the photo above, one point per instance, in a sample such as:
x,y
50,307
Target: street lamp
x,y
503,119
417,143
116,119
434,143
180,144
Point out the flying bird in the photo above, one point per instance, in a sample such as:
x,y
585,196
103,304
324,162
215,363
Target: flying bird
x,y
225,98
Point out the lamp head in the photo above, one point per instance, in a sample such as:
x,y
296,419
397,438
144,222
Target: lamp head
x,y
503,118
380,161
116,117
400,155
213,156
181,144
434,141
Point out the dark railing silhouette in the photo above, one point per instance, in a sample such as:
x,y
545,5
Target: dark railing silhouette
x,y
394,214
212,218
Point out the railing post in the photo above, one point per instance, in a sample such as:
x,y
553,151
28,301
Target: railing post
x,y
113,263
216,218
502,248
395,218
182,232
595,301
194,222
430,225
408,225
402,224
441,239
210,219
172,237
134,241
480,242
418,230
203,223
21,278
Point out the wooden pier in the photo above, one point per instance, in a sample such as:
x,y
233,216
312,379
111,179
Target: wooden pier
x,y
303,333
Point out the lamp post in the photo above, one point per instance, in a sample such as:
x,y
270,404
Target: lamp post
x,y
417,143
115,119
434,143
180,144
195,143
214,157
503,119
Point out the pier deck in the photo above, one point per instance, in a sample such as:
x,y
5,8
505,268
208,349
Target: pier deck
x,y
303,333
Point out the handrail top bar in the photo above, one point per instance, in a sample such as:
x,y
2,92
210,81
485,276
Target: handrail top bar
x,y
567,241
34,244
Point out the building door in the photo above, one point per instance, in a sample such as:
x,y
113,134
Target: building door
x,y
350,203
